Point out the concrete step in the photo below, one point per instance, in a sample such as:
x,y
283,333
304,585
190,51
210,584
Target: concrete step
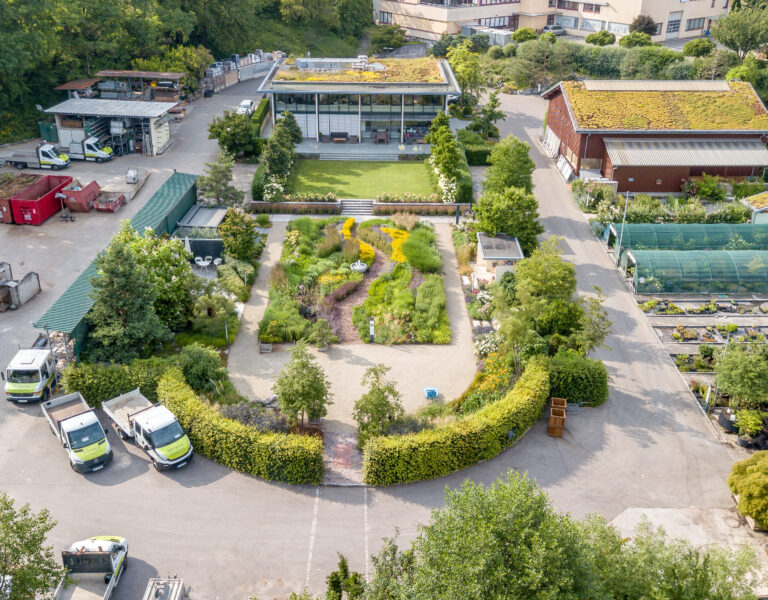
x,y
357,207
366,157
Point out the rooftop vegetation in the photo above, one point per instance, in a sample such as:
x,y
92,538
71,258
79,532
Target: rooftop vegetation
x,y
739,108
758,200
415,70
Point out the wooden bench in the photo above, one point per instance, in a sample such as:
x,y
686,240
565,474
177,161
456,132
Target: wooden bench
x,y
339,137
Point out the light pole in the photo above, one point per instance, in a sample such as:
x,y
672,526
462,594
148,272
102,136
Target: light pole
x,y
370,324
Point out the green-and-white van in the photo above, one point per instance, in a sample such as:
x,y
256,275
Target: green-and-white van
x,y
94,568
30,375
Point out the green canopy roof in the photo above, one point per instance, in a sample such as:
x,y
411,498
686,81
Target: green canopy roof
x,y
160,213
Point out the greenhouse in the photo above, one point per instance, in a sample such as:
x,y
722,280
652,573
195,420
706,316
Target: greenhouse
x,y
694,236
697,271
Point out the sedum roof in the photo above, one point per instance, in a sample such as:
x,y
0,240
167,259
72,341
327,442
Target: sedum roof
x,y
758,201
678,107
398,70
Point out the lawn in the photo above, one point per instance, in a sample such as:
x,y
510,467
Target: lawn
x,y
359,179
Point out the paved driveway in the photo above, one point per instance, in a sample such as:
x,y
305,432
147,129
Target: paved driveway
x,y
231,536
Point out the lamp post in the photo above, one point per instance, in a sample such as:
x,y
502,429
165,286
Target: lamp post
x,y
370,330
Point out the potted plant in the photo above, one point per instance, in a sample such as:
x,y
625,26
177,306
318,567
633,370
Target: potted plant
x,y
270,336
322,335
750,424
726,420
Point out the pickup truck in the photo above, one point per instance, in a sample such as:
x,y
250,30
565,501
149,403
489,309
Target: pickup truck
x,y
78,429
153,427
44,156
94,567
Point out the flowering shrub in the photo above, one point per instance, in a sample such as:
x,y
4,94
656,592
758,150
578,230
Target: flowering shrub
x,y
399,237
309,197
346,230
487,344
406,197
274,188
447,186
367,253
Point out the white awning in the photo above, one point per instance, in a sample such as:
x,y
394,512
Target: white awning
x,y
681,153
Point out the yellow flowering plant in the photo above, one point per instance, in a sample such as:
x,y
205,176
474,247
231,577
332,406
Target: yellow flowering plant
x,y
399,237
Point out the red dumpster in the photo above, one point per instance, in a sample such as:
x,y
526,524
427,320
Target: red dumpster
x,y
79,197
38,202
10,185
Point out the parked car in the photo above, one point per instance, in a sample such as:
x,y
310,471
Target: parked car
x,y
556,29
246,107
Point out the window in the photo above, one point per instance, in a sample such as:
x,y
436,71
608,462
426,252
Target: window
x,y
552,3
658,29
485,2
567,5
618,28
564,21
497,22
713,4
592,25
673,26
725,4
593,8
692,24
385,17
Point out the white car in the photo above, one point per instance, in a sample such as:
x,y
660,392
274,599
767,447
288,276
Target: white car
x,y
246,107
556,29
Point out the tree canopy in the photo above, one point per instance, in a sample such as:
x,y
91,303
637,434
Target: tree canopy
x,y
511,166
512,212
742,30
302,388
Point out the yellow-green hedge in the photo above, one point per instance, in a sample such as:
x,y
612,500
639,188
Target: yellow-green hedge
x,y
273,456
479,436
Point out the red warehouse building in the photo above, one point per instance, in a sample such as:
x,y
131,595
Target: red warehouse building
x,y
649,136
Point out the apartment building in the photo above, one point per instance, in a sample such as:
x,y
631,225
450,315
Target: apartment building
x,y
430,19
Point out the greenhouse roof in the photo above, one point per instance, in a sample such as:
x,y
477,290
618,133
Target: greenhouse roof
x,y
699,272
694,236
674,106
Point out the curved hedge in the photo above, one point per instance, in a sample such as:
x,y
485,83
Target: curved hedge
x,y
479,436
273,456
98,382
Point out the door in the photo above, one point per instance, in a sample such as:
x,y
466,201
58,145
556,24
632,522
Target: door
x,y
673,25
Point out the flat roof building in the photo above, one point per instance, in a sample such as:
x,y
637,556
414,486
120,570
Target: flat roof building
x,y
650,136
344,100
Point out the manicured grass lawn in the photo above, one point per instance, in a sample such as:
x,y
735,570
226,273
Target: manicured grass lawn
x,y
359,179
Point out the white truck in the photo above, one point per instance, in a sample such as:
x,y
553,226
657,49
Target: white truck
x,y
94,567
44,156
90,149
30,375
153,427
78,429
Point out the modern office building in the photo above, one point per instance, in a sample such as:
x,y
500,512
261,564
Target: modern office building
x,y
344,100
430,19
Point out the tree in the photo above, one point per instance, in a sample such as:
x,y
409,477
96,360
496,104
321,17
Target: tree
x,y
166,262
754,71
466,68
524,34
279,152
635,39
387,37
548,37
302,388
237,134
354,16
643,24
123,321
310,11
511,166
716,65
743,374
601,38
749,481
440,121
24,556
479,42
378,406
538,62
594,325
237,232
344,583
743,30
216,185
200,364
698,47
512,212
185,59
544,275
292,126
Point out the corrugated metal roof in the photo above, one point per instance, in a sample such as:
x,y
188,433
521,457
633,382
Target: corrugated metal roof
x,y
99,107
163,202
501,247
203,216
67,312
643,85
78,84
173,75
694,153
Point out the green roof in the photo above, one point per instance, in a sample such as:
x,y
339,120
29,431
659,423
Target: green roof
x,y
173,196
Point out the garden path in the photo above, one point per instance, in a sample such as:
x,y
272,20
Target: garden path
x,y
347,331
449,367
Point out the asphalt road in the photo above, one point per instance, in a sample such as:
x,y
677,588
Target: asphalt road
x,y
231,536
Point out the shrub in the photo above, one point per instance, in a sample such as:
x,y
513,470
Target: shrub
x,y
601,38
524,34
261,112
464,254
420,251
698,47
262,220
744,190
710,188
278,278
635,39
98,382
232,283
244,270
509,50
478,155
331,242
471,439
495,52
200,364
255,416
388,197
284,310
749,481
257,185
210,313
405,221
749,422
376,238
282,457
578,379
548,37
351,250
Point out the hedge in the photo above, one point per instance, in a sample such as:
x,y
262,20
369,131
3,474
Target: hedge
x,y
261,112
282,457
479,436
478,155
98,382
578,379
749,481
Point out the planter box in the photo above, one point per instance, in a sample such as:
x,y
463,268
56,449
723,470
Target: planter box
x,y
265,348
297,208
724,420
419,208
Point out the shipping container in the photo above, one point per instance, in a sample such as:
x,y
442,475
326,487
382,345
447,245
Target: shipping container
x,y
79,197
10,185
34,205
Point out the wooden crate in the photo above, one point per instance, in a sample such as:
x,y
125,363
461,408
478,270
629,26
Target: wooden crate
x,y
557,417
553,431
559,403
